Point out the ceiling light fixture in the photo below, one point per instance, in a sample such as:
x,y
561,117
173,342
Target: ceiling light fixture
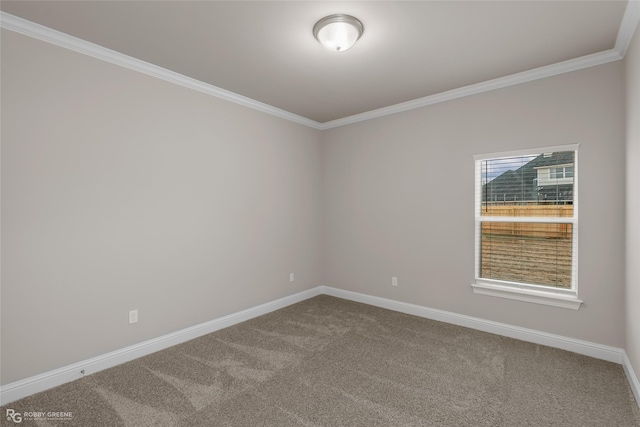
x,y
338,32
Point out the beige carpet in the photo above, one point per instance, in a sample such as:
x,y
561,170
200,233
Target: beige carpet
x,y
331,362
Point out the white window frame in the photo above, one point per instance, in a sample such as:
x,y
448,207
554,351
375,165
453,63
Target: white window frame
x,y
538,294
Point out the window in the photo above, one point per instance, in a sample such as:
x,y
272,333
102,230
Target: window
x,y
562,172
526,215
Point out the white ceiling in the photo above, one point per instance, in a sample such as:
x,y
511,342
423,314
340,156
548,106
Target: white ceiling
x,y
265,50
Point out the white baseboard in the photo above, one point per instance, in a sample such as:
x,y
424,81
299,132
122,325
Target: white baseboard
x,y
47,380
587,348
598,351
19,389
631,376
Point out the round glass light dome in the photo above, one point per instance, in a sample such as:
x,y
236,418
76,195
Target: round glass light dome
x,y
338,32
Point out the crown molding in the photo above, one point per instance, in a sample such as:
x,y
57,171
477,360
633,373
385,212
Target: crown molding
x,y
625,34
628,26
46,34
474,89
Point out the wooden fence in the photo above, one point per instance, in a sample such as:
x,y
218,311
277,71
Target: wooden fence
x,y
526,229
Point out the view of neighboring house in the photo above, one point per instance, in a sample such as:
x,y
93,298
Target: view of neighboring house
x,y
546,178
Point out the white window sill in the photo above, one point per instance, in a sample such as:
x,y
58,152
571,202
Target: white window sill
x,y
551,297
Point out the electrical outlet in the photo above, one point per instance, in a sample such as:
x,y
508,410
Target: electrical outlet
x,y
394,281
133,316
291,278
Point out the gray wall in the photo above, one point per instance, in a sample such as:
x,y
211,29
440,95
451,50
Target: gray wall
x,y
398,199
121,191
632,63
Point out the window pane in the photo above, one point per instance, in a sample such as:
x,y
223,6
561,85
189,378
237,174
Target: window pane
x,y
534,253
537,185
569,172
